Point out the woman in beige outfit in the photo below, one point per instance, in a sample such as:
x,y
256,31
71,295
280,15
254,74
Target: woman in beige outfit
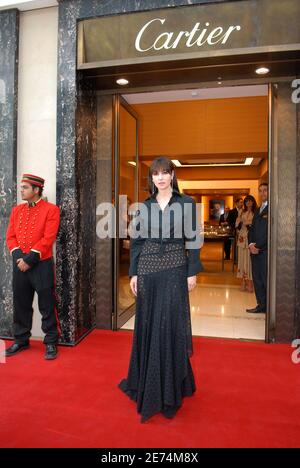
x,y
244,220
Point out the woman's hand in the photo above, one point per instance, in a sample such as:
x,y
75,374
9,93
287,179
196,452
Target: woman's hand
x,y
133,284
192,281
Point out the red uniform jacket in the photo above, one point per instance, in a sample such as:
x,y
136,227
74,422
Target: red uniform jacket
x,y
33,230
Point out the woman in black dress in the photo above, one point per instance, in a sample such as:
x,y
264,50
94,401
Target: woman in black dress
x,y
164,262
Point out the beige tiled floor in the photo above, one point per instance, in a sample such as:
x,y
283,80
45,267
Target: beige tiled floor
x,y
218,307
220,311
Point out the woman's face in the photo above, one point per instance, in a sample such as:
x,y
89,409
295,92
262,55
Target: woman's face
x,y
249,203
162,179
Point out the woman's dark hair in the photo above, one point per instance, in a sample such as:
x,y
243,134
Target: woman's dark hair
x,y
238,199
161,164
254,204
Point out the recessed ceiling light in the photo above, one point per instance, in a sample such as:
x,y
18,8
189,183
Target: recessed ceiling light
x,y
132,163
122,82
262,70
248,161
194,93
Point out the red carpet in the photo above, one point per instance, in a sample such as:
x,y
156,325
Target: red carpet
x,y
247,396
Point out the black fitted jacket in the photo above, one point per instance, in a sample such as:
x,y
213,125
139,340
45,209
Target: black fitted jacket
x,y
232,217
179,229
258,231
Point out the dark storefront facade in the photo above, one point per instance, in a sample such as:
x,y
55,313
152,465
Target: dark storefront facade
x,y
240,34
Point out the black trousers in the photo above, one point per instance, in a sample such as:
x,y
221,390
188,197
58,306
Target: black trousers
x,y
39,279
227,248
260,277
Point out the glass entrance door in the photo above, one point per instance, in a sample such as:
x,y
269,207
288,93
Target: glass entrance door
x,y
126,159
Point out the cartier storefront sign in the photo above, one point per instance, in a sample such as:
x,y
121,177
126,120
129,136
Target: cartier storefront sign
x,y
189,32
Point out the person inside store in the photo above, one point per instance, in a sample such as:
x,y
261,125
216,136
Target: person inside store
x,y
162,272
30,237
235,212
224,223
231,219
242,224
258,247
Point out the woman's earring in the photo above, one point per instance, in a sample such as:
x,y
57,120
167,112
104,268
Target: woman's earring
x,y
153,188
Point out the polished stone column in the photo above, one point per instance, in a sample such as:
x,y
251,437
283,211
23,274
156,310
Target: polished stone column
x,y
76,188
9,39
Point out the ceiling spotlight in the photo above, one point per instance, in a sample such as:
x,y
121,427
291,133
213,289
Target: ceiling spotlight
x,y
194,93
122,82
247,162
262,70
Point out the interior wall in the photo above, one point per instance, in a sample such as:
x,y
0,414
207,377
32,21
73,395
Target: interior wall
x,y
219,173
37,96
127,154
205,126
251,185
143,181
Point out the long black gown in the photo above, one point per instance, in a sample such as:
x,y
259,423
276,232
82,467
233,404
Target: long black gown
x,y
160,373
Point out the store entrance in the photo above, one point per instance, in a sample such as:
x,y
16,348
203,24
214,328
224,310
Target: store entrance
x,y
218,138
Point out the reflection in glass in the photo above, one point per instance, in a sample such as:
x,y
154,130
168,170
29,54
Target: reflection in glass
x,y
127,187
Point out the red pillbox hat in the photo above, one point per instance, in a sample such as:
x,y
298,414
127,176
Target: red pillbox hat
x,y
33,180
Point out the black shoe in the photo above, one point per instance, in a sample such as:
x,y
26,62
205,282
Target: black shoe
x,y
256,310
15,349
51,352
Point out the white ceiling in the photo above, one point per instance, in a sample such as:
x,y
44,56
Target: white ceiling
x,y
195,94
24,5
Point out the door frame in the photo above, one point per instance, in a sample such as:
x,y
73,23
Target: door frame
x,y
270,322
273,215
119,319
